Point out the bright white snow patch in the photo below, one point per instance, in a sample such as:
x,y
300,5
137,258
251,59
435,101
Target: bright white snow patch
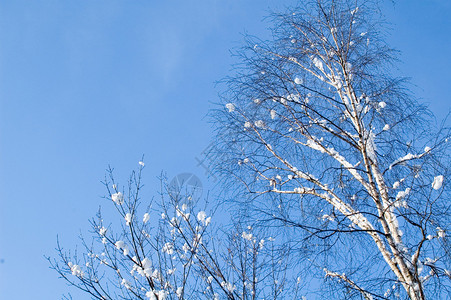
x,y
293,97
117,198
327,217
247,124
402,194
102,231
75,269
151,295
141,163
120,245
401,204
146,269
318,63
260,124
168,248
382,104
386,127
228,286
437,183
201,216
230,107
179,291
247,236
408,156
162,295
128,218
440,232
348,66
273,114
314,145
146,218
298,80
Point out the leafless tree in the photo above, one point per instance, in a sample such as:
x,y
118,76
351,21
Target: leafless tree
x,y
173,251
326,139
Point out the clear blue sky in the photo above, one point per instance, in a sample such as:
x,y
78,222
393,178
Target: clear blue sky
x,y
84,84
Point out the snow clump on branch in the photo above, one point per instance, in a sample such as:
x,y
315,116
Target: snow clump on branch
x,y
230,107
146,218
202,217
120,245
75,269
118,198
437,183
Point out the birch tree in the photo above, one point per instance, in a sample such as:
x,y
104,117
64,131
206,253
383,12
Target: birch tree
x,y
325,138
172,251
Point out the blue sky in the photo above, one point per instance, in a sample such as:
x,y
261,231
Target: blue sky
x,y
84,84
